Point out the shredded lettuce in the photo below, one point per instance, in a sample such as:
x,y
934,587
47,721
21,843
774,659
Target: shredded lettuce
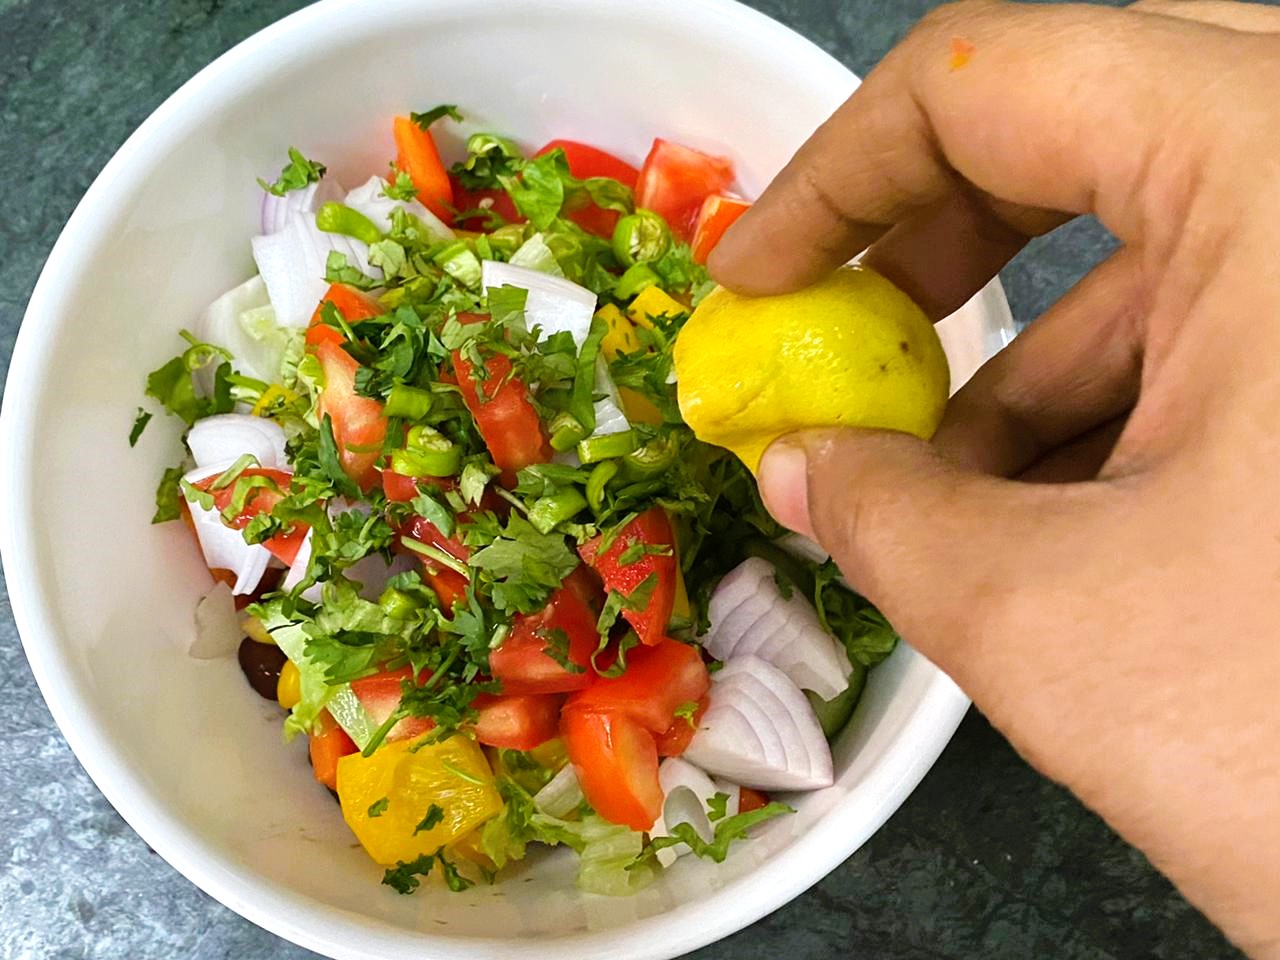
x,y
536,255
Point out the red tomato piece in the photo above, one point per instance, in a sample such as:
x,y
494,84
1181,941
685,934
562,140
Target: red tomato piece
x,y
285,545
675,740
499,201
675,181
750,799
380,696
504,415
416,155
657,682
617,765
328,744
398,487
716,216
522,663
354,305
584,162
517,722
359,425
651,528
450,585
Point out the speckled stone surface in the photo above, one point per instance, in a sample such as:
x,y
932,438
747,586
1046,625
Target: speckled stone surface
x,y
986,859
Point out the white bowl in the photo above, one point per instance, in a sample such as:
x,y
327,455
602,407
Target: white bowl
x,y
187,753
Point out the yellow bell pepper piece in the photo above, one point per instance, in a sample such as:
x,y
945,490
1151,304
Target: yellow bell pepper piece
x,y
621,335
638,407
254,629
289,686
652,302
452,774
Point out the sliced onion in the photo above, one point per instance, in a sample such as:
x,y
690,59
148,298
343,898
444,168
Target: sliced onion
x,y
748,614
292,264
229,436
561,795
370,199
687,793
554,304
276,211
754,713
218,631
223,547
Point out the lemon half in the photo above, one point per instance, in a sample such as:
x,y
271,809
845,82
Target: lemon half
x,y
850,351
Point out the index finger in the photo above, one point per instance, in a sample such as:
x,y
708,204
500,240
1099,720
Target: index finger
x,y
1027,109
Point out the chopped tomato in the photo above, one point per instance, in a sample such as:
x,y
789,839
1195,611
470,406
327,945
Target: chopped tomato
x,y
380,696
522,663
353,304
585,162
517,722
504,415
675,740
416,155
398,487
285,545
466,201
650,529
716,216
450,585
359,426
657,682
675,181
749,799
329,743
617,765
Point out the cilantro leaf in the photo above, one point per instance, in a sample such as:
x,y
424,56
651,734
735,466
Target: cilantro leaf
x,y
717,807
428,117
174,384
727,830
378,807
403,877
454,880
400,186
139,424
297,173
331,461
523,566
435,814
169,496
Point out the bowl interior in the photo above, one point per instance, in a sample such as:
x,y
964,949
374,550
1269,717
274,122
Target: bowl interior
x,y
186,751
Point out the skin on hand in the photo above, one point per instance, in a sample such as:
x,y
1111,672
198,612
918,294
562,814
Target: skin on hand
x,y
1091,544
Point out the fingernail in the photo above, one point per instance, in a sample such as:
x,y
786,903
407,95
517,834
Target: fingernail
x,y
784,485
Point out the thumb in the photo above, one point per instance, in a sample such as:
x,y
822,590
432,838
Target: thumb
x,y
939,549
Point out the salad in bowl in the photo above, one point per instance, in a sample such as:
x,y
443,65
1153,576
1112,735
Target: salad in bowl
x,y
462,536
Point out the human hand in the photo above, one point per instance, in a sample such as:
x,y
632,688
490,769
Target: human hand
x,y
1091,544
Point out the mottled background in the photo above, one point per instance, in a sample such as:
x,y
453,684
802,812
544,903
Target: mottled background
x,y
986,859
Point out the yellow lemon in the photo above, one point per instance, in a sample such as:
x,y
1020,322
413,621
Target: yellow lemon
x,y
850,351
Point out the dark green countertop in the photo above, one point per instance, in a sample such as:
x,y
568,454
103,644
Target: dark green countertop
x,y
986,859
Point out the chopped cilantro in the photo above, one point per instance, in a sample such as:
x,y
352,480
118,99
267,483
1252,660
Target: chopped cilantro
x,y
297,173
169,496
435,814
428,117
139,424
403,877
400,186
378,807
727,830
